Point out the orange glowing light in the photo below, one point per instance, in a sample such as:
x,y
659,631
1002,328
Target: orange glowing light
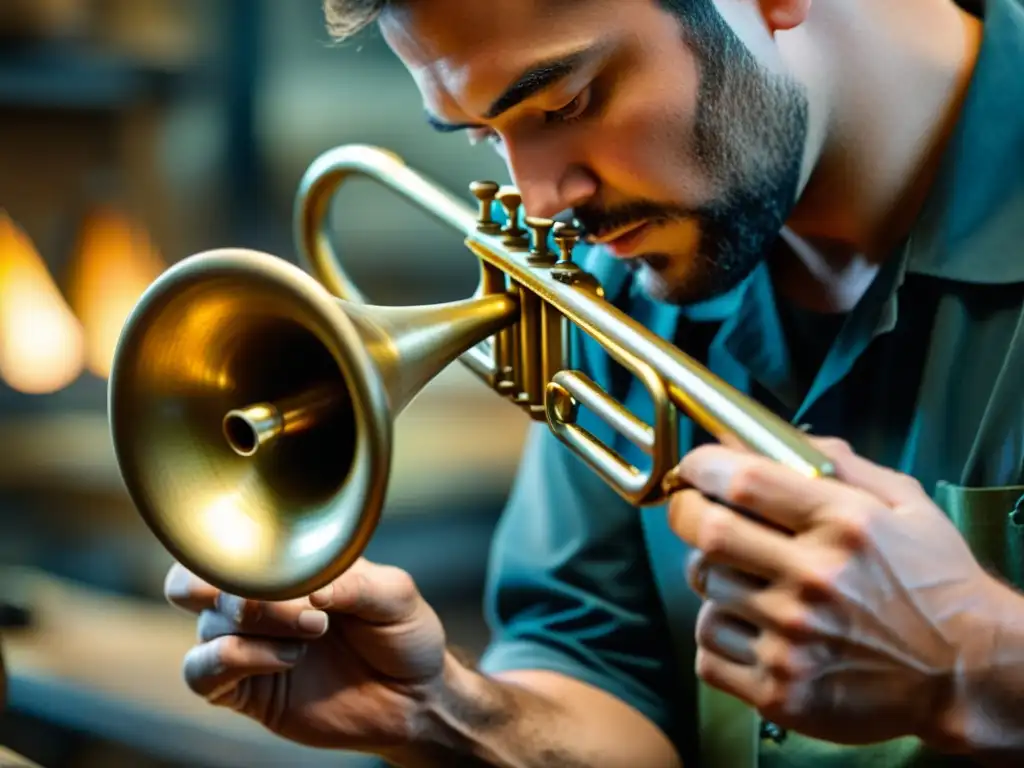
x,y
41,341
115,261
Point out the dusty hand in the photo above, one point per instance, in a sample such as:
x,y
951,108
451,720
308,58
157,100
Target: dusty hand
x,y
342,669
843,609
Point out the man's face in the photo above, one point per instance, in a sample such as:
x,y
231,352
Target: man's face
x,y
672,143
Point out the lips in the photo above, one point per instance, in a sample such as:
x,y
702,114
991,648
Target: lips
x,y
625,240
611,235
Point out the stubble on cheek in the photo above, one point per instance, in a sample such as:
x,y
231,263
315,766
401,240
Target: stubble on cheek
x,y
648,148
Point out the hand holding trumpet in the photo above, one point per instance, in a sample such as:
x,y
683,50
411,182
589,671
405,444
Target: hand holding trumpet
x,y
344,668
849,609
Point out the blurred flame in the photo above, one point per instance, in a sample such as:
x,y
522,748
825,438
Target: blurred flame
x,y
41,341
115,261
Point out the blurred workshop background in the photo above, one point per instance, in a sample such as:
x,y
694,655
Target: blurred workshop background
x,y
132,134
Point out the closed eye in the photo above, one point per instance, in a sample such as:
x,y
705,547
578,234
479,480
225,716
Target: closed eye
x,y
574,110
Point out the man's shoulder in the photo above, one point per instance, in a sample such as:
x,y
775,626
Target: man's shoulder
x,y
972,225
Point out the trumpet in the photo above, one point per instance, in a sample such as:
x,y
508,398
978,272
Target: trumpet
x,y
252,402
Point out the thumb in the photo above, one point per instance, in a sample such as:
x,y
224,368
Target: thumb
x,y
888,485
378,594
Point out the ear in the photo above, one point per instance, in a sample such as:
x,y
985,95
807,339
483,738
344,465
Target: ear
x,y
781,15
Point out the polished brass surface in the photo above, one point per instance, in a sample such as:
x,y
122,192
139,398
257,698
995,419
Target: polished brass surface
x,y
9,759
252,404
485,192
3,681
250,428
514,235
565,269
540,229
251,413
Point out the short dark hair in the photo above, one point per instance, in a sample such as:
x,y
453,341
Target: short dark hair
x,y
345,18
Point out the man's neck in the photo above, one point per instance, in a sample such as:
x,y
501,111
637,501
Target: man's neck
x,y
895,75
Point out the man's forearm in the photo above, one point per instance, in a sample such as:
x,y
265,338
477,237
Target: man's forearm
x,y
475,720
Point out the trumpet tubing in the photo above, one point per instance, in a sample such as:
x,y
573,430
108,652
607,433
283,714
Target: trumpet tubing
x,y
527,363
289,463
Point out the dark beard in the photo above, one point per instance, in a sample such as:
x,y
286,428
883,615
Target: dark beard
x,y
750,130
736,235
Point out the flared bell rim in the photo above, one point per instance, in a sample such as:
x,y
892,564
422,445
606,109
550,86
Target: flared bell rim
x,y
365,388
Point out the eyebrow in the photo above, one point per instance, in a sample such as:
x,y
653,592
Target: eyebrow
x,y
534,80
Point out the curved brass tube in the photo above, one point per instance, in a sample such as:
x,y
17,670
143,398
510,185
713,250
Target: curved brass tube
x,y
674,379
252,405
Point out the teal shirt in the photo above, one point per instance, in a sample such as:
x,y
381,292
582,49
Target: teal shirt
x,y
925,375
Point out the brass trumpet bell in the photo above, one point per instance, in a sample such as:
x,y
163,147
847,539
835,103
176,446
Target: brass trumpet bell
x,y
251,413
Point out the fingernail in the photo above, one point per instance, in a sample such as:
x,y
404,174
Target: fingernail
x,y
714,477
314,622
230,606
322,597
177,583
290,653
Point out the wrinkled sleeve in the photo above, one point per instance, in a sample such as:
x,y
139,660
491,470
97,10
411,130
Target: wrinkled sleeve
x,y
569,586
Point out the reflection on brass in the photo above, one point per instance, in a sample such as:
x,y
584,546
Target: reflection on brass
x,y
539,231
673,482
252,404
485,192
566,237
515,235
248,429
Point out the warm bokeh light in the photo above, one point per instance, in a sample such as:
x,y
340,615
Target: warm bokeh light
x,y
41,341
114,262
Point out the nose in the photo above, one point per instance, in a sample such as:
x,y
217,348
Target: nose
x,y
546,198
548,184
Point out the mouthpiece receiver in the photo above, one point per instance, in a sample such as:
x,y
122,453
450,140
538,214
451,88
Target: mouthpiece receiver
x,y
250,428
246,429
